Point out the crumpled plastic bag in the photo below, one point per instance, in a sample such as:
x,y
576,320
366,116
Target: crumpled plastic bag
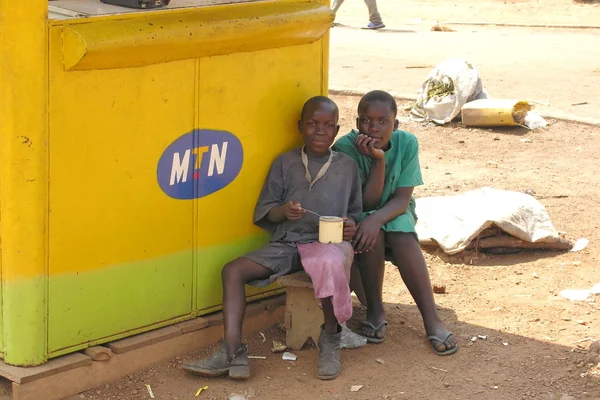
x,y
534,120
351,340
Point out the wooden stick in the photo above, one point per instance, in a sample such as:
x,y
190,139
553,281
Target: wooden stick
x,y
512,242
486,233
556,196
427,242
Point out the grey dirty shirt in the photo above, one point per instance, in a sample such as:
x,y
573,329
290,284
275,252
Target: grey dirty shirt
x,y
338,193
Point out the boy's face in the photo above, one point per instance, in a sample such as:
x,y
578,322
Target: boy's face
x,y
377,120
319,128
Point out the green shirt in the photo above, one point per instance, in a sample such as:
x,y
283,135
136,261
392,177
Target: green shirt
x,y
402,169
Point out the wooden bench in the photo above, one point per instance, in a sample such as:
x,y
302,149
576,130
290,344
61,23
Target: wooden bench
x,y
303,315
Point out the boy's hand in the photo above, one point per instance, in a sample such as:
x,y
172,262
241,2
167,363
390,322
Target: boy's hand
x,y
366,146
293,210
366,234
349,229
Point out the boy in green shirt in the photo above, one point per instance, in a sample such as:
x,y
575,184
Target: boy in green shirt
x,y
388,163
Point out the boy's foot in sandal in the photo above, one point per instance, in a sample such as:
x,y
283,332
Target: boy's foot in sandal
x,y
329,364
375,333
220,364
443,345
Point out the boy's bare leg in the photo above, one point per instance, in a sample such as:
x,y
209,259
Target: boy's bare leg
x,y
356,285
371,265
408,257
235,275
331,324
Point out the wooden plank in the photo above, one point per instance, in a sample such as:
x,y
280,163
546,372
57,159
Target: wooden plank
x,y
215,319
144,339
95,374
193,325
52,367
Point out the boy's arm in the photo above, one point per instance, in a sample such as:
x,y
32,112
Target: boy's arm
x,y
290,210
396,206
368,229
410,176
354,205
373,188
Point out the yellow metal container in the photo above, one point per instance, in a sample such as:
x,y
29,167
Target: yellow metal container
x,y
133,148
494,112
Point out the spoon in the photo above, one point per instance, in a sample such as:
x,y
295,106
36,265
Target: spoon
x,y
312,212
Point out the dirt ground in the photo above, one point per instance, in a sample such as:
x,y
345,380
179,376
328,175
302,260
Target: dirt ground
x,y
530,350
534,347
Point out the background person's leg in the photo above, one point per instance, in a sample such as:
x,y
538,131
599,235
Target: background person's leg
x,y
335,6
374,16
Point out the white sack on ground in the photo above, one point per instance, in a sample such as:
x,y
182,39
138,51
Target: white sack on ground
x,y
454,221
446,90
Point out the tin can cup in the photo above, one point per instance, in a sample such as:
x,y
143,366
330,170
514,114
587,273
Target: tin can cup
x,y
331,229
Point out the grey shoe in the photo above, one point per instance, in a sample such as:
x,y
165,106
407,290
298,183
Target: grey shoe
x,y
219,364
329,355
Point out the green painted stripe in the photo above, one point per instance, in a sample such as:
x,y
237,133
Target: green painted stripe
x,y
101,305
24,312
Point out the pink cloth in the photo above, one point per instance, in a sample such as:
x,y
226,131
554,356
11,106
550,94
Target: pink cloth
x,y
328,266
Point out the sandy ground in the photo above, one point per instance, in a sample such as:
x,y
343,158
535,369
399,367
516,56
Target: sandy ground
x,y
528,12
558,67
554,67
529,352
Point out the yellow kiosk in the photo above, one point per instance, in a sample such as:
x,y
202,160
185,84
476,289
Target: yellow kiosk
x,y
133,145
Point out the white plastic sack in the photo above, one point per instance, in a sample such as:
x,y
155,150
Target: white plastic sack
x,y
533,120
454,221
447,88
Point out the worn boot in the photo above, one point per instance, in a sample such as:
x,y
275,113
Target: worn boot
x,y
329,355
219,364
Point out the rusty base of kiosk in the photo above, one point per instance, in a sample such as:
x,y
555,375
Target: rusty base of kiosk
x,y
78,372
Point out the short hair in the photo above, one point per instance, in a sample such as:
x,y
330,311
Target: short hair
x,y
378,95
318,100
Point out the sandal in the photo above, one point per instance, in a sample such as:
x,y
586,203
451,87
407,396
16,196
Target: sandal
x,y
376,328
446,352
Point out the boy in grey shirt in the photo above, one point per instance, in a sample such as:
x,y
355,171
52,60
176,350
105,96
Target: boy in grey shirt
x,y
314,178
